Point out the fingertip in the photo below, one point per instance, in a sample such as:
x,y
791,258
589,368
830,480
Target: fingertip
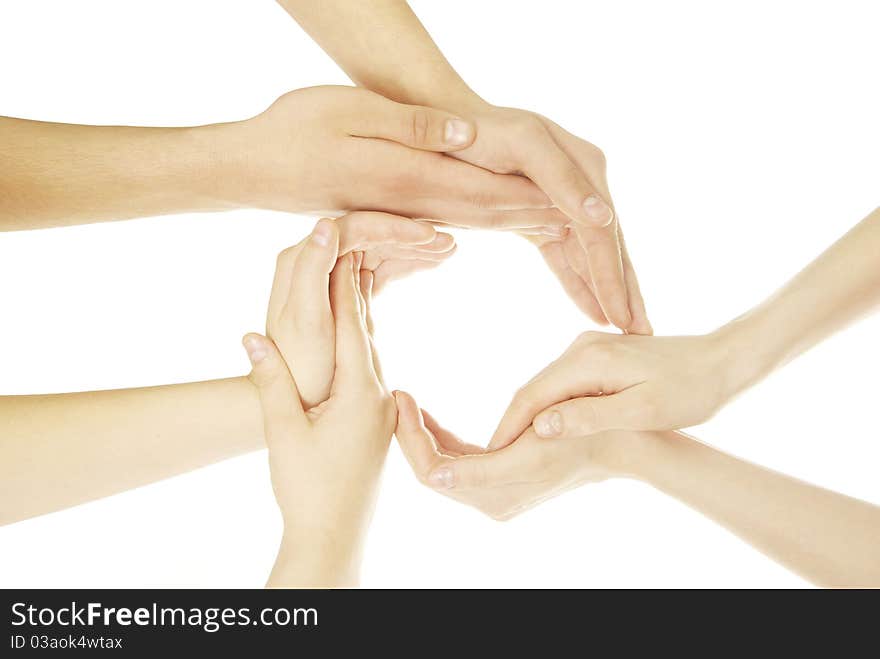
x,y
442,242
458,133
548,424
597,213
407,410
256,347
423,233
324,232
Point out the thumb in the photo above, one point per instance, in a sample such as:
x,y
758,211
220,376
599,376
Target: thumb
x,y
279,398
591,414
416,126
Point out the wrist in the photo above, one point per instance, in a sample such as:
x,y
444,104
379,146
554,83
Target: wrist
x,y
621,453
746,350
315,560
226,173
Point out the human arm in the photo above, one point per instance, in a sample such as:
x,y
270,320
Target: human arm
x,y
325,461
674,382
57,451
826,537
323,149
62,450
383,46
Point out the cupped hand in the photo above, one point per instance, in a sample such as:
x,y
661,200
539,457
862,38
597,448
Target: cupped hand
x,y
608,381
335,149
506,482
592,264
326,461
300,319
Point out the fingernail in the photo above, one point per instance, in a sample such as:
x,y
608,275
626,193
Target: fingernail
x,y
598,211
255,350
321,233
457,132
549,424
442,479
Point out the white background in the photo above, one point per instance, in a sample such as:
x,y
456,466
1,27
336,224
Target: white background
x,y
741,141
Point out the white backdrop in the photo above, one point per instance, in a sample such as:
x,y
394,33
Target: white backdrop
x,y
741,141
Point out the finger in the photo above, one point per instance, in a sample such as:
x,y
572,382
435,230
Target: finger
x,y
397,269
279,399
584,416
476,472
357,260
415,126
546,222
640,323
353,355
437,184
307,339
367,295
440,252
281,284
578,260
563,379
602,245
365,230
606,271
564,182
446,441
415,440
572,283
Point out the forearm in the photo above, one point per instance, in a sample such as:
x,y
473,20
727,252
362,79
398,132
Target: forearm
x,y
839,287
61,450
384,47
54,174
828,538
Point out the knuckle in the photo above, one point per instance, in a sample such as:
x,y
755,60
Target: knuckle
x,y
586,417
589,338
528,128
521,397
285,257
601,353
597,156
420,125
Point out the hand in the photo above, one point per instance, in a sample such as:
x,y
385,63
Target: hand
x,y
592,263
504,483
325,462
300,320
333,149
606,381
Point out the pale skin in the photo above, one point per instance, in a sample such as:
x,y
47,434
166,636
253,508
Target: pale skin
x,y
605,382
383,46
827,538
319,150
57,451
325,460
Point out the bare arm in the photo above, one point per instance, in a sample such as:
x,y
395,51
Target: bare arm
x,y
61,174
838,288
321,149
374,42
62,450
828,538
